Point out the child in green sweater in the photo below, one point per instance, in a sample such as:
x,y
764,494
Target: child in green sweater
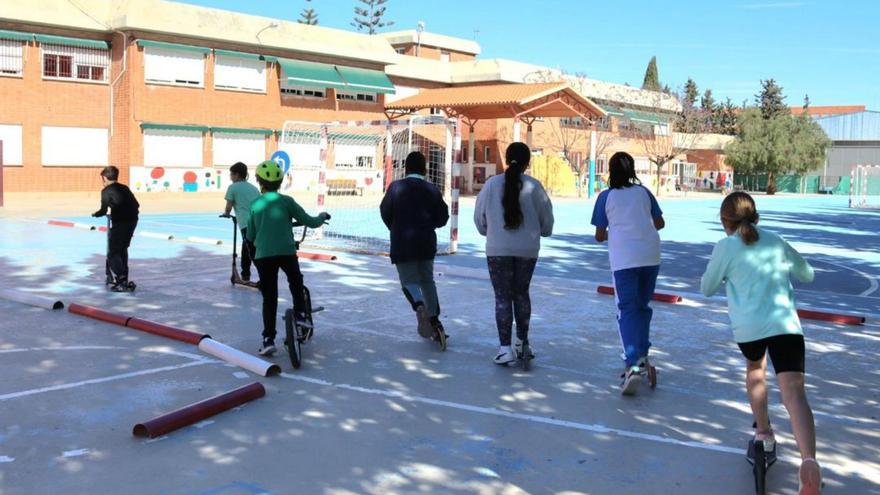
x,y
270,229
757,264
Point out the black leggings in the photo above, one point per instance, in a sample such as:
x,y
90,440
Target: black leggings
x,y
118,242
511,277
268,270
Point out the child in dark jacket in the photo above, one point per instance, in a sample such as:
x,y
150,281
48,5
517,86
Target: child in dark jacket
x,y
124,209
412,209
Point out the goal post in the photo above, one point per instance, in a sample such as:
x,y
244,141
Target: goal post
x,y
344,168
864,186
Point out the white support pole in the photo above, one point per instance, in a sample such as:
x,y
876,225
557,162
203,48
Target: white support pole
x,y
389,160
452,181
472,150
409,137
517,130
529,135
591,183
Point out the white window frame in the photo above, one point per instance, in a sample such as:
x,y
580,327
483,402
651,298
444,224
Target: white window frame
x,y
151,55
487,154
358,97
436,111
239,64
8,49
445,56
163,139
306,92
244,139
400,51
60,150
13,145
80,57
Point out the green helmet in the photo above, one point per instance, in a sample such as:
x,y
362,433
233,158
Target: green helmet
x,y
270,171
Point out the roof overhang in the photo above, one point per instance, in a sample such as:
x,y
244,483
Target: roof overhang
x,y
525,102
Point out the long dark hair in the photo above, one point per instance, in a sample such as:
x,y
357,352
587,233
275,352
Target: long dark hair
x,y
622,171
517,157
738,213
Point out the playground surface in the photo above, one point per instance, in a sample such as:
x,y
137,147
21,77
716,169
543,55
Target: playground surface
x,y
376,409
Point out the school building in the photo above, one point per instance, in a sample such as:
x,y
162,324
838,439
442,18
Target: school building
x,y
172,94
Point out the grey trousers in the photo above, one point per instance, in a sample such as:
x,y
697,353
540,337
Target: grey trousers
x,y
417,282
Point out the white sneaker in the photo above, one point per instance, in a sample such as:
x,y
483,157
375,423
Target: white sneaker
x,y
268,348
505,355
631,378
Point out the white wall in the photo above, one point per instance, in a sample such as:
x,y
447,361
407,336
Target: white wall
x,y
166,148
11,136
247,148
240,73
75,146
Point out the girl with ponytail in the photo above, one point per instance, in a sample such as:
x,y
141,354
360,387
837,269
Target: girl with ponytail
x,y
513,211
757,265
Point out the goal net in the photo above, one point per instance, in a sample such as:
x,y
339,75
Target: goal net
x,y
864,189
344,169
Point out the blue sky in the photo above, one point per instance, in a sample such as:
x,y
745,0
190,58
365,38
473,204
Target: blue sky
x,y
827,49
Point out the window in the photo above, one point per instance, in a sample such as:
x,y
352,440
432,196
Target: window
x,y
401,51
444,56
354,155
11,137
172,148
487,154
603,124
235,147
600,165
351,96
11,61
635,129
169,66
301,91
71,62
75,146
436,111
239,74
643,165
576,122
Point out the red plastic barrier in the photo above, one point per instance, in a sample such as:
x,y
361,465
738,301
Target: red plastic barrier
x,y
667,298
194,413
161,330
101,229
834,318
316,256
60,223
98,314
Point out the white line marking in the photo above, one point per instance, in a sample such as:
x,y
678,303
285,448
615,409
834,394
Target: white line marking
x,y
75,453
65,348
4,458
65,386
871,280
202,424
240,374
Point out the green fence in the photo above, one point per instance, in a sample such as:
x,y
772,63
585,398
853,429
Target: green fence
x,y
810,184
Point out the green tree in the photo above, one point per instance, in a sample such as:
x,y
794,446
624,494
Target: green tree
x,y
771,100
708,110
652,77
690,93
725,122
779,145
308,15
370,17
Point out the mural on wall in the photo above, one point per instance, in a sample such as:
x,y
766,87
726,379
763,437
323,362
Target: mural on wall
x,y
160,179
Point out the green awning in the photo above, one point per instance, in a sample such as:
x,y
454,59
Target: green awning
x,y
372,81
239,130
616,112
269,58
80,42
175,127
639,116
230,53
15,35
311,74
173,46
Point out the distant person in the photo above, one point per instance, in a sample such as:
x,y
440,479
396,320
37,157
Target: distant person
x,y
513,211
239,195
757,265
124,210
628,217
412,209
270,229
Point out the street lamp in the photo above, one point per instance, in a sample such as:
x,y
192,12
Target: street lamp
x,y
272,25
419,28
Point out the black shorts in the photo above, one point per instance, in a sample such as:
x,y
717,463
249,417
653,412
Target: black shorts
x,y
786,351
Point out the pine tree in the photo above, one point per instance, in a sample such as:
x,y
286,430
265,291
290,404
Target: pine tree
x,y
652,77
806,103
707,102
726,120
370,17
770,100
709,112
690,92
308,15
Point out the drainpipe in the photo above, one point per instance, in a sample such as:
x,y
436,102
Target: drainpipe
x,y
119,77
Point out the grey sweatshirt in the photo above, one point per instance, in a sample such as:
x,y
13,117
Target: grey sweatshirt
x,y
524,241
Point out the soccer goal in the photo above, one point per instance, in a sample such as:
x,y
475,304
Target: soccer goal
x,y
864,187
344,169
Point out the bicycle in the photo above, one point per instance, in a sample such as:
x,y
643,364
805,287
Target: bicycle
x,y
300,331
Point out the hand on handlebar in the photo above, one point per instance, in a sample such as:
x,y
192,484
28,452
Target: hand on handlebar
x,y
225,215
324,216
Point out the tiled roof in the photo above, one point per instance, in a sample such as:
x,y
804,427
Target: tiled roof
x,y
828,110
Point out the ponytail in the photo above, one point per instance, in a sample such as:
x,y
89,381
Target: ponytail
x,y
738,213
517,157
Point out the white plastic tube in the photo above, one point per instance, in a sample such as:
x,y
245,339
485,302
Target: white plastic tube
x,y
31,299
83,226
154,235
238,358
203,240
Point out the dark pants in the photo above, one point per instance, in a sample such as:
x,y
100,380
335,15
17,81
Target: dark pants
x,y
268,270
247,253
118,240
511,278
633,289
417,281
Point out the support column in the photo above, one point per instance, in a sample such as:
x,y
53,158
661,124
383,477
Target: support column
x,y
454,158
517,128
591,184
389,164
472,150
529,135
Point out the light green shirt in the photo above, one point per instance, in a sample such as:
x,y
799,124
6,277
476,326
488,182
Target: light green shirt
x,y
760,298
242,194
270,226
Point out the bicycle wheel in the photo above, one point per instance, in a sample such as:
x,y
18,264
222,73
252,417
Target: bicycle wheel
x,y
291,340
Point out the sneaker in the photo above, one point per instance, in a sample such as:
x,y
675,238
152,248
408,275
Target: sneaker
x,y
809,478
123,286
268,348
505,355
630,380
518,348
426,330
